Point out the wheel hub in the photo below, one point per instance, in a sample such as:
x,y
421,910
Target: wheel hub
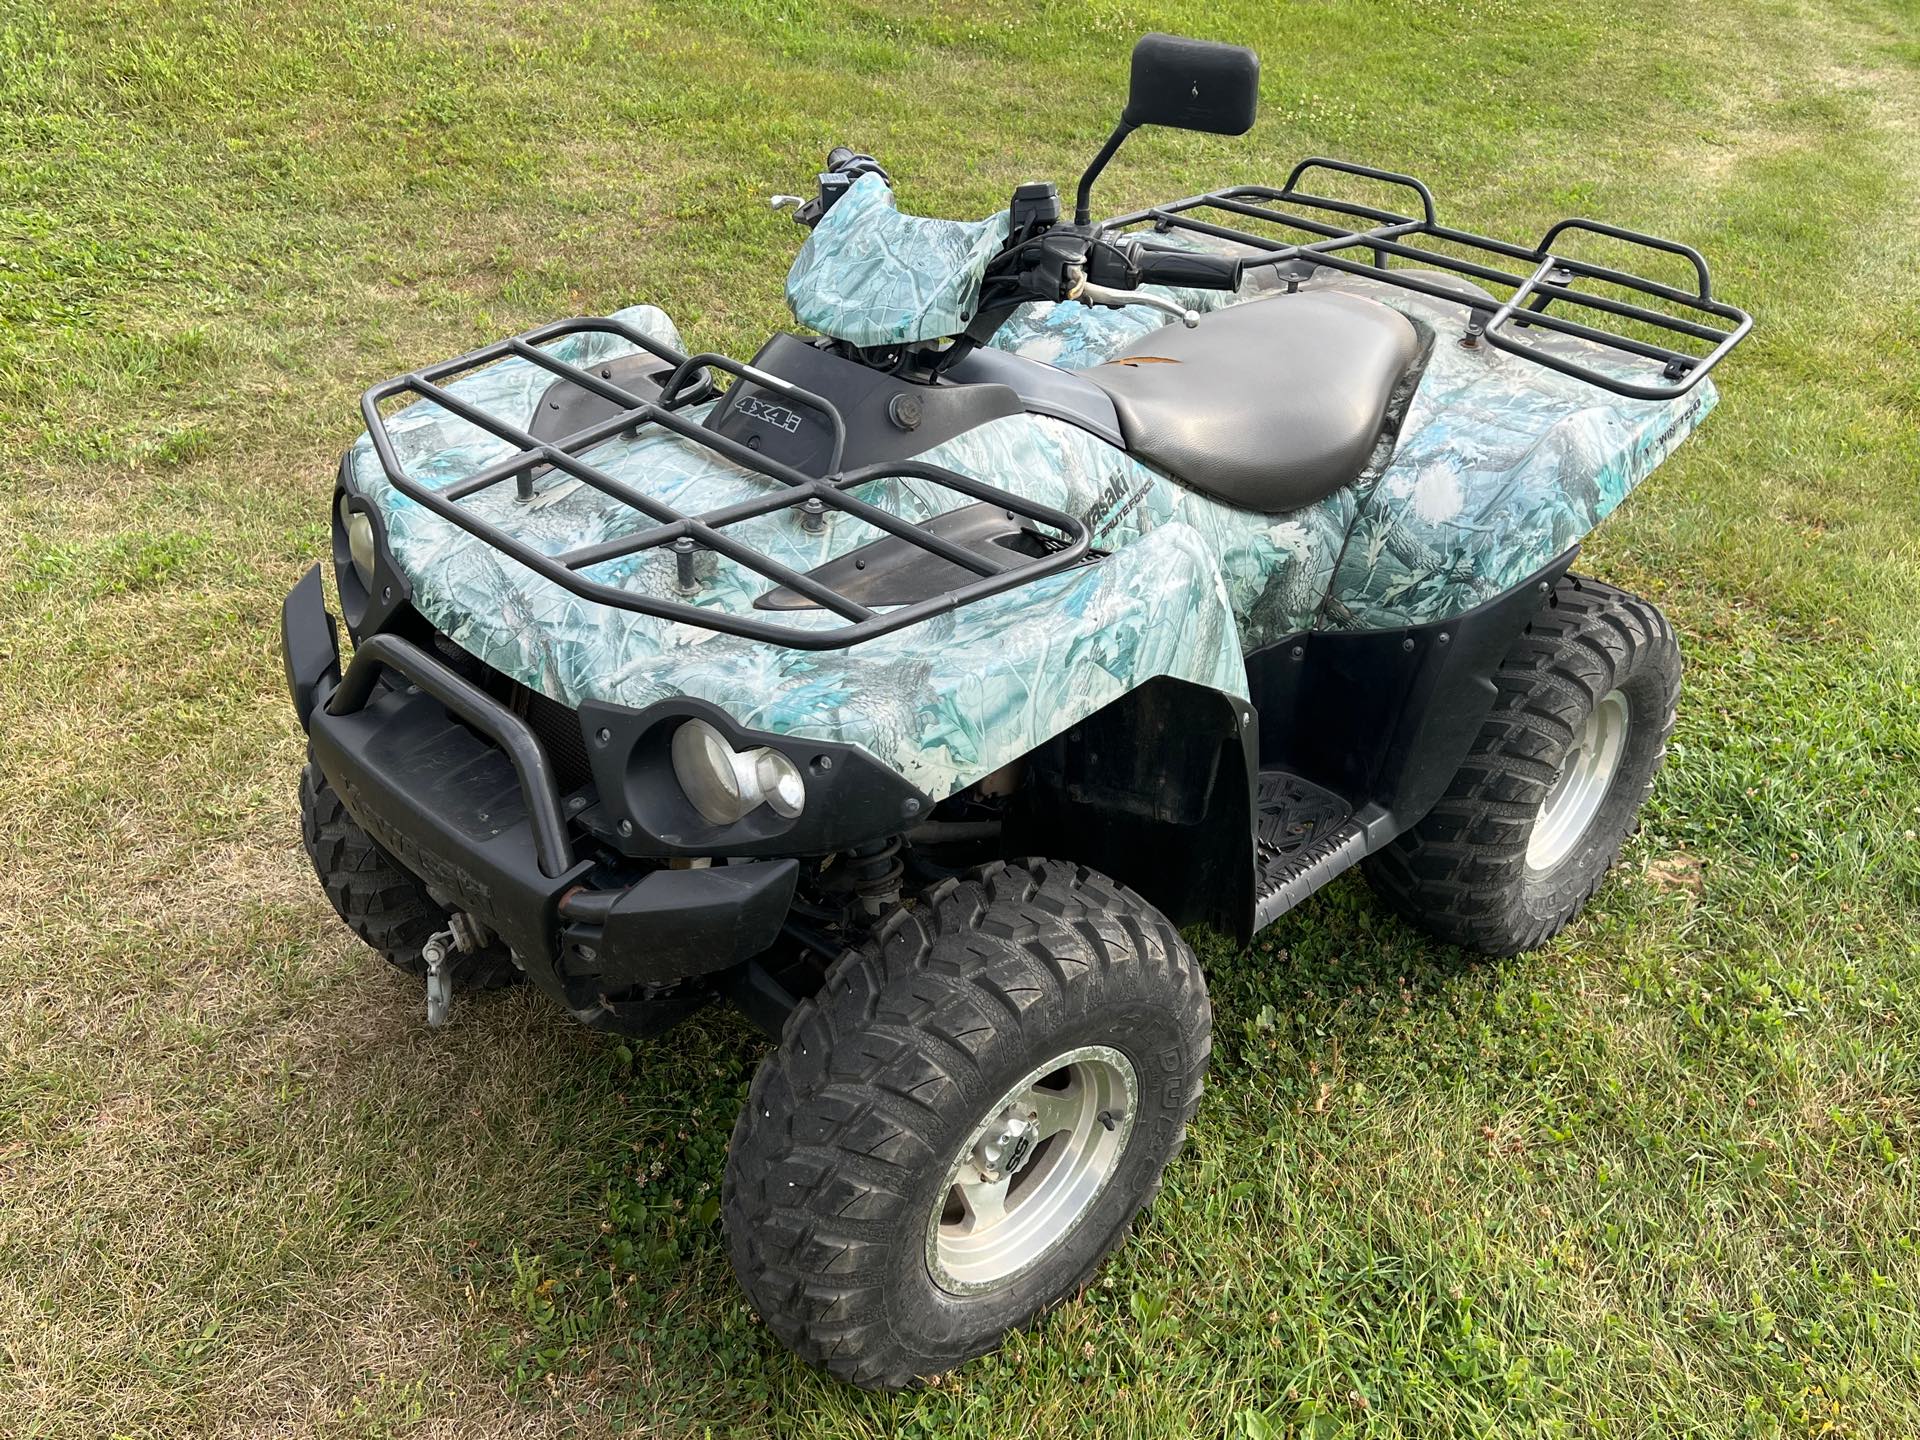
x,y
1003,1153
1586,775
1030,1172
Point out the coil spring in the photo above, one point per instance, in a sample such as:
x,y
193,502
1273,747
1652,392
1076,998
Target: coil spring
x,y
876,871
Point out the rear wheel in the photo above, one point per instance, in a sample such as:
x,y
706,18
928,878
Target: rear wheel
x,y
381,902
1555,780
963,1122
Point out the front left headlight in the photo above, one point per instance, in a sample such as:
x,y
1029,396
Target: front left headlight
x,y
726,785
359,528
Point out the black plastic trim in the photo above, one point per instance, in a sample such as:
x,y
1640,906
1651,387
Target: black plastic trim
x,y
485,714
672,925
1156,790
309,645
888,571
1384,718
566,408
1043,390
883,418
851,797
448,806
367,609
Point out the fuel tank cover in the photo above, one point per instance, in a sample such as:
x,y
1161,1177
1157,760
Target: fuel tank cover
x,y
887,417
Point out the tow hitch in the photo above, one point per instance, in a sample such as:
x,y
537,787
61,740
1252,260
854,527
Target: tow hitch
x,y
461,937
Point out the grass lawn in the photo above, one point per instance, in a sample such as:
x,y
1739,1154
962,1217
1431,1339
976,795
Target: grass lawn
x,y
1656,1179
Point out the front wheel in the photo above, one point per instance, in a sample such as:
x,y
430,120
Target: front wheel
x,y
1554,783
963,1122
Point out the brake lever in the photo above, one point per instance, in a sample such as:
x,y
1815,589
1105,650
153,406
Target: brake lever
x,y
800,209
1089,294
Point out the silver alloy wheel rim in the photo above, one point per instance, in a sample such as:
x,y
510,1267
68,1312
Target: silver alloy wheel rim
x,y
1586,775
1031,1170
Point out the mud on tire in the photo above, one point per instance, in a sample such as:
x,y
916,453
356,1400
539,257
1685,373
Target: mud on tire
x,y
383,904
1463,873
842,1154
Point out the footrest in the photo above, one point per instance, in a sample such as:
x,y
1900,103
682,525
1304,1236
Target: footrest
x,y
1304,838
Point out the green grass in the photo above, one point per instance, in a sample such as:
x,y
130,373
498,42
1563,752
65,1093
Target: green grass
x,y
1657,1179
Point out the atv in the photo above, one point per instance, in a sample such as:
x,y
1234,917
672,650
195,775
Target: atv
x,y
912,685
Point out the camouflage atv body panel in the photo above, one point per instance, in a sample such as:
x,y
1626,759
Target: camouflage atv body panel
x,y
942,703
871,276
1499,466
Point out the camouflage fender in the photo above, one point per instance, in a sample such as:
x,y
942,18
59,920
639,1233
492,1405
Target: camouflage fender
x,y
955,699
1499,466
1502,465
943,703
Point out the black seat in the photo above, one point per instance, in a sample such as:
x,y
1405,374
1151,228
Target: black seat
x,y
1269,405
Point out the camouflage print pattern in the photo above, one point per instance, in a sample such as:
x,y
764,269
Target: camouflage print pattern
x,y
1499,466
1276,568
872,276
944,703
1075,336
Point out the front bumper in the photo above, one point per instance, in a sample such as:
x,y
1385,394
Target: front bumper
x,y
456,787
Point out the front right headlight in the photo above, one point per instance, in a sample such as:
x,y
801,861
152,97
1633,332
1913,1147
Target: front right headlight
x,y
726,785
359,528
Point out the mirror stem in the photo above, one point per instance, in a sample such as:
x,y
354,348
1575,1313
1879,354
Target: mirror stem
x,y
1083,198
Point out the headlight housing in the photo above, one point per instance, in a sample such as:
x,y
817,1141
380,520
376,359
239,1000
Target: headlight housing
x,y
359,527
683,778
726,785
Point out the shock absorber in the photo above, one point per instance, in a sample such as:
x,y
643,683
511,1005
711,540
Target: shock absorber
x,y
876,870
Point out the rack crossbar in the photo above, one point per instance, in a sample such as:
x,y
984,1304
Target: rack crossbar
x,y
1550,279
706,530
1385,240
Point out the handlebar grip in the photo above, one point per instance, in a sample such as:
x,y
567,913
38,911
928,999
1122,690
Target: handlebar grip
x,y
1188,268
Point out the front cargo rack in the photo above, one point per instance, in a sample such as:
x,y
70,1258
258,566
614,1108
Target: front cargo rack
x,y
1549,279
684,534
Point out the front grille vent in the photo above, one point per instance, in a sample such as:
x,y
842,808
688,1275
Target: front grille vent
x,y
558,729
553,724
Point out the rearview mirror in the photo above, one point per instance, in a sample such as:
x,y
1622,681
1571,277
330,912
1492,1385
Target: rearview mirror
x,y
1186,85
1193,85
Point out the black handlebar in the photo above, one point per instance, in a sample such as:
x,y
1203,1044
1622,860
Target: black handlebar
x,y
844,166
1188,268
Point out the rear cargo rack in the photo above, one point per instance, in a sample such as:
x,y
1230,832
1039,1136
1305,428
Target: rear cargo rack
x,y
1548,279
684,534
